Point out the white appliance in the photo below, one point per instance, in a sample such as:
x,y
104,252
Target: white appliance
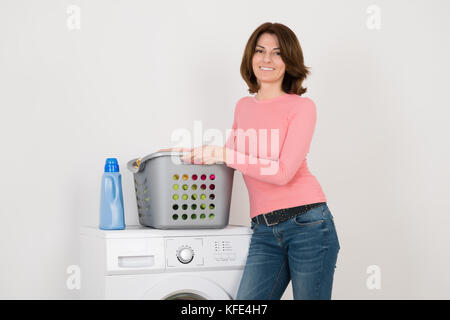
x,y
147,263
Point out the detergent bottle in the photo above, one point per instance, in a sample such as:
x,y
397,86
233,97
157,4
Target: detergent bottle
x,y
111,198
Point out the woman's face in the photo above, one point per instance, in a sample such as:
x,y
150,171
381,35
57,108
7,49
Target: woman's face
x,y
267,54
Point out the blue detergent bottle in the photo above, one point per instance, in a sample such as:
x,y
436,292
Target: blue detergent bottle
x,y
111,198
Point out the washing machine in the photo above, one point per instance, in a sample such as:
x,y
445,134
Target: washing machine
x,y
146,263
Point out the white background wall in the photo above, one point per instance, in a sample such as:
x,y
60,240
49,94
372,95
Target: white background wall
x,y
137,70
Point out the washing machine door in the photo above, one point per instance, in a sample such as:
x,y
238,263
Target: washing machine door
x,y
186,288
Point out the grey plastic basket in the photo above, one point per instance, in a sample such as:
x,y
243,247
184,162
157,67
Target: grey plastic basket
x,y
172,194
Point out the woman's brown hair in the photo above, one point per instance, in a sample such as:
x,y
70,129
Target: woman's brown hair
x,y
291,53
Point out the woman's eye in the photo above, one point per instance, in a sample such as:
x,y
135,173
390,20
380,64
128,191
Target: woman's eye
x,y
258,50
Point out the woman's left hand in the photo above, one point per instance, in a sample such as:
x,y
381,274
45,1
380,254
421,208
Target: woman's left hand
x,y
206,154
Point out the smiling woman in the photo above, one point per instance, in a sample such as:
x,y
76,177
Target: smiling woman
x,y
276,47
294,237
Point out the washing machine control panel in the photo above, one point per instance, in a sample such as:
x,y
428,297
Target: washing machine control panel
x,y
223,250
209,252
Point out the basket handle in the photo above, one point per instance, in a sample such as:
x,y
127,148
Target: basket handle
x,y
180,154
132,165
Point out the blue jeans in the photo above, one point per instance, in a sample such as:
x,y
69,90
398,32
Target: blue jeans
x,y
303,250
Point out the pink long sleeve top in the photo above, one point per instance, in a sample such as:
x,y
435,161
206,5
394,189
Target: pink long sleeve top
x,y
268,144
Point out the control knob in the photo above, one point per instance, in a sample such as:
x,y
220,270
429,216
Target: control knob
x,y
185,254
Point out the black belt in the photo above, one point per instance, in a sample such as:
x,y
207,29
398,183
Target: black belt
x,y
280,215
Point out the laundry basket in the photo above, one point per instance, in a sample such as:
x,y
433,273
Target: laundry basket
x,y
172,194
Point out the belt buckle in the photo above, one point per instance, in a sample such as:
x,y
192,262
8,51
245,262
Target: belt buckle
x,y
267,223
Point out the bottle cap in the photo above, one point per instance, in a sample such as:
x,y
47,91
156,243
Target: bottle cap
x,y
111,165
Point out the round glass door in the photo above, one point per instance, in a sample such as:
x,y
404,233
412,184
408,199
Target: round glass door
x,y
185,296
186,288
